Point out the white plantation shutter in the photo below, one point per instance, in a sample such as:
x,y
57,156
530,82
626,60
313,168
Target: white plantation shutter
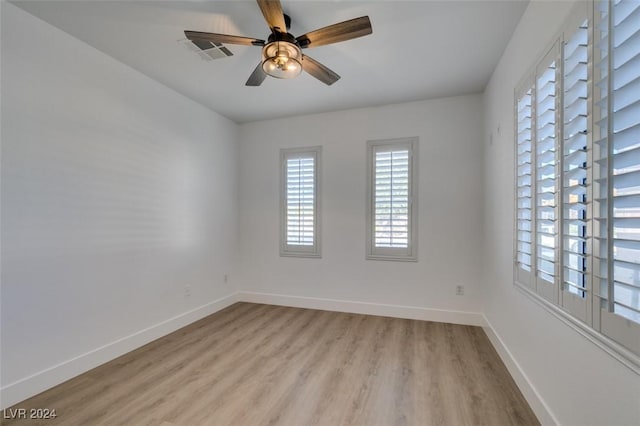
x,y
524,187
299,210
575,203
391,199
617,172
300,200
546,163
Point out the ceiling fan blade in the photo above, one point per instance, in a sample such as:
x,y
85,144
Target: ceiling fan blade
x,y
257,76
223,38
319,71
335,33
272,11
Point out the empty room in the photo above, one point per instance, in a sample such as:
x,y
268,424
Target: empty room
x,y
320,212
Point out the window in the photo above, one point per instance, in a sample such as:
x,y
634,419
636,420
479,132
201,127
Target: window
x,y
577,159
299,209
392,199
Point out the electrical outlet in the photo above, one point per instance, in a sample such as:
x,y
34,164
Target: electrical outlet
x,y
187,290
459,290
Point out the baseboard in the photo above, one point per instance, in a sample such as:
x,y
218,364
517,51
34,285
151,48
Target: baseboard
x,y
537,404
395,311
46,379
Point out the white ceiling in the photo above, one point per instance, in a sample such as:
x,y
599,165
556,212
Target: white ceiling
x,y
418,49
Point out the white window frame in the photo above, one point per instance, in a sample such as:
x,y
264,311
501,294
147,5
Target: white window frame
x,y
410,253
292,250
612,338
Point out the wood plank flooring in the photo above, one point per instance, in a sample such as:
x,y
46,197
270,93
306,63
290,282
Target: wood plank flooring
x,y
255,364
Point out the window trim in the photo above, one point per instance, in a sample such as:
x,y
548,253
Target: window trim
x,y
621,353
410,254
287,250
610,346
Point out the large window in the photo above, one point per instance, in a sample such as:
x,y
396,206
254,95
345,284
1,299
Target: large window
x,y
299,209
578,176
391,201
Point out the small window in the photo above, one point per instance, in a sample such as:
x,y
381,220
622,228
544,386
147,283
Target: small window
x,y
299,206
392,199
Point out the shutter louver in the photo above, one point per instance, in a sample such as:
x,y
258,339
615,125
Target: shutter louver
x,y
575,203
391,198
300,201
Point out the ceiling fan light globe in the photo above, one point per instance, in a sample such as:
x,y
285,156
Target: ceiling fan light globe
x,y
294,66
281,59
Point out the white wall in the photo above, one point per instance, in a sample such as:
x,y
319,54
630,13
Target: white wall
x,y
116,193
579,383
450,200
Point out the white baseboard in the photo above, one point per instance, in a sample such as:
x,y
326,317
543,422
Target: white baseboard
x,y
52,376
395,311
537,404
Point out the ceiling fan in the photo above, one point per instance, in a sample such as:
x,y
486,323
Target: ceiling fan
x,y
282,52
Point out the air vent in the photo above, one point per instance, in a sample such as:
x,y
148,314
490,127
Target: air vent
x,y
207,50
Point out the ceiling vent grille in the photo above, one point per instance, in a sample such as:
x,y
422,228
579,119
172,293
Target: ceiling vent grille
x,y
207,50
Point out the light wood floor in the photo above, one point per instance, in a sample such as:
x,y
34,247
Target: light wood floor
x,y
269,365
